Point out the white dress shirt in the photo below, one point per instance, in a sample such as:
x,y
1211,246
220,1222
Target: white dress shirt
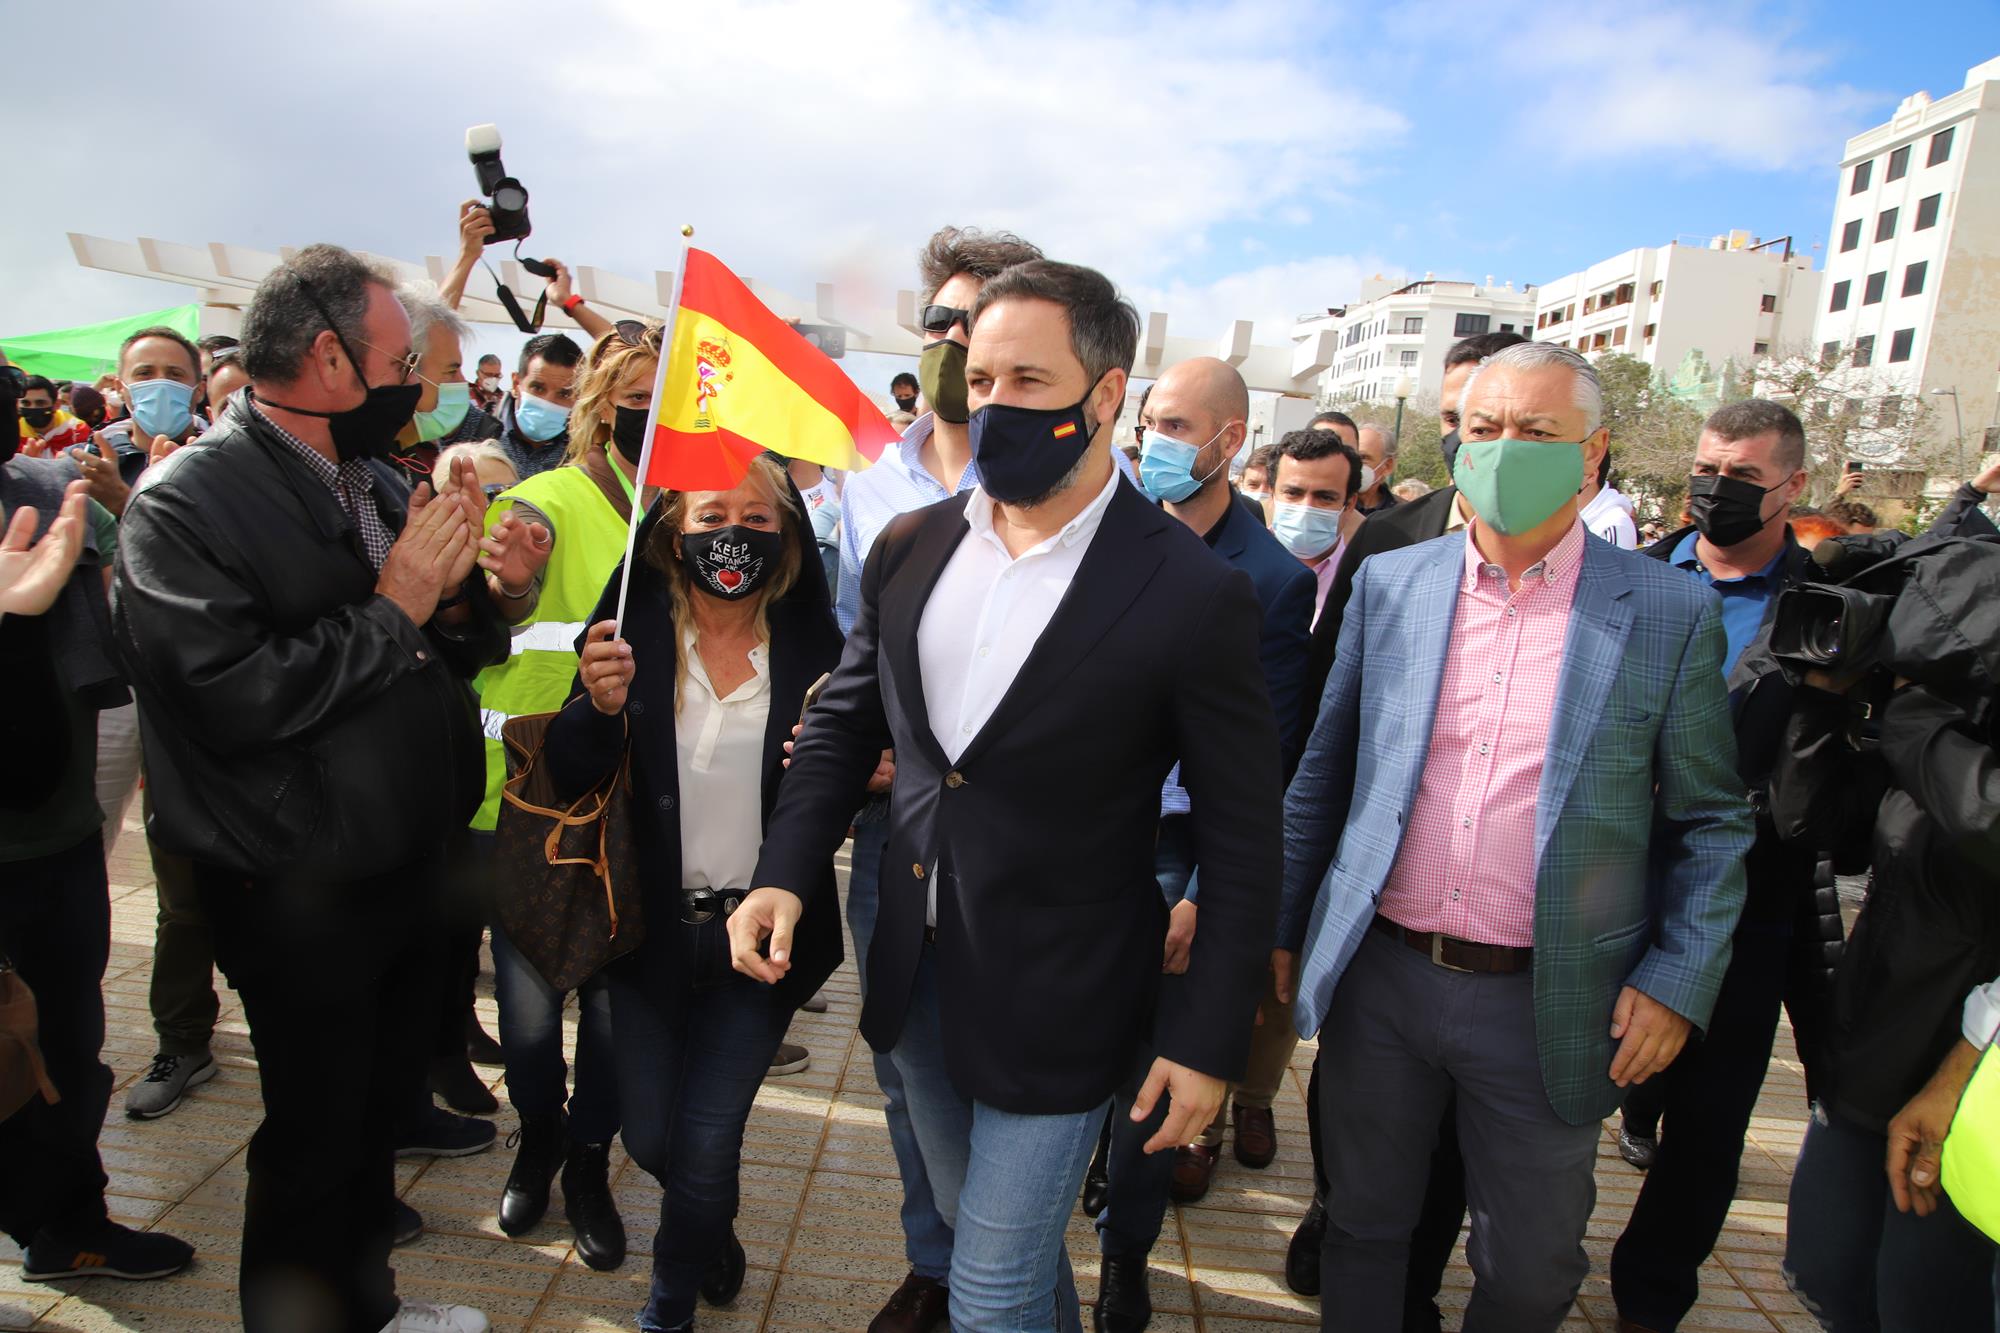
x,y
985,616
720,744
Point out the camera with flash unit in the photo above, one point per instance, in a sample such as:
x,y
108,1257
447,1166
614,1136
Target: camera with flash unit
x,y
506,198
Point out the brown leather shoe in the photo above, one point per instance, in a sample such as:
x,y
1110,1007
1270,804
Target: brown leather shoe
x,y
1256,1137
919,1305
1194,1167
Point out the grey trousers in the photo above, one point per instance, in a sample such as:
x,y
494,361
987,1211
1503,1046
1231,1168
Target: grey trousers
x,y
1403,1035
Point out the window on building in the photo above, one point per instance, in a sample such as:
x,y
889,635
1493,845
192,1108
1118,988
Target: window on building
x,y
1618,336
1862,172
1821,410
1850,236
1625,290
1760,349
1601,341
1409,358
1465,326
1413,323
1656,288
1877,284
1649,331
1569,311
1864,350
1852,407
1840,291
1769,304
1506,328
1927,211
1899,164
1901,343
1885,224
1913,279
1940,148
1589,304
1828,354
1891,411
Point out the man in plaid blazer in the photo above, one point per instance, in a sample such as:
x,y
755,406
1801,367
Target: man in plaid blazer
x,y
1514,858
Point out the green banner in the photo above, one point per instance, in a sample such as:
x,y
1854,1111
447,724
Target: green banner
x,y
89,350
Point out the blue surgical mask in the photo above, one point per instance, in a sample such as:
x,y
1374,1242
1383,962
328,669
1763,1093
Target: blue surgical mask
x,y
160,407
1166,466
454,401
540,420
1306,532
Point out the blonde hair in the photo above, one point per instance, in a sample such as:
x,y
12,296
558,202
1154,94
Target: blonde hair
x,y
768,476
610,357
479,451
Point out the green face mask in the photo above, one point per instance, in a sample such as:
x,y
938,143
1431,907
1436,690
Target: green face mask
x,y
1516,485
941,375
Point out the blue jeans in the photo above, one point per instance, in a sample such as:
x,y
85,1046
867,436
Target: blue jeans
x,y
689,1066
1862,1267
531,1039
1005,1183
926,1238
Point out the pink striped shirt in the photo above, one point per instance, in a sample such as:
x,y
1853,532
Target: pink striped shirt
x,y
1467,864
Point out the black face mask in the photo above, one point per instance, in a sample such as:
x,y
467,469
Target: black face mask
x,y
38,417
1023,453
1727,510
906,404
628,432
733,562
1450,446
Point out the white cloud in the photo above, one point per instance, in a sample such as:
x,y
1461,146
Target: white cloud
x,y
1273,296
1688,85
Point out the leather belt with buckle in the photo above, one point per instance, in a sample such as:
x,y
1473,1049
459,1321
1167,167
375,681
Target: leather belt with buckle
x,y
1460,955
701,906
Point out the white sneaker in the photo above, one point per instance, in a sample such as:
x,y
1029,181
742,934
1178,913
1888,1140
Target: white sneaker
x,y
424,1317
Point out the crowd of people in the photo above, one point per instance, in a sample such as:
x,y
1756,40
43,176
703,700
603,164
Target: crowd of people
x,y
1152,765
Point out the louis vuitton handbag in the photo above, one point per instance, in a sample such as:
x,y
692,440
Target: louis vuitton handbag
x,y
567,870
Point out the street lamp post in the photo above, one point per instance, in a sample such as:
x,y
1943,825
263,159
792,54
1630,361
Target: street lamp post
x,y
1959,419
1403,387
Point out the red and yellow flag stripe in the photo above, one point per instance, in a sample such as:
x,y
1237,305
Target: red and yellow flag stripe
x,y
737,380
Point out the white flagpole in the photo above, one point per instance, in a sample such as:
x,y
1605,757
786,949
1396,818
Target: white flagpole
x,y
652,425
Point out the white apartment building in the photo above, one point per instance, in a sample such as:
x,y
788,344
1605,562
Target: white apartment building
x,y
1734,297
1913,265
1396,333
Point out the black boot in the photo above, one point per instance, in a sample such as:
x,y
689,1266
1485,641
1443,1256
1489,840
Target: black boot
x,y
1097,1180
600,1232
724,1278
1303,1255
543,1144
1124,1304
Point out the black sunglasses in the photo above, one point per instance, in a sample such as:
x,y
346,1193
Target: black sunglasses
x,y
940,318
637,333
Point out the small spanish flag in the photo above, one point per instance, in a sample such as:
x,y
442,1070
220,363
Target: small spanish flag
x,y
737,380
1064,431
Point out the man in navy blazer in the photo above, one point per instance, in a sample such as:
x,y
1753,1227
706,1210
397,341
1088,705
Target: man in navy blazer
x,y
1513,858
1195,417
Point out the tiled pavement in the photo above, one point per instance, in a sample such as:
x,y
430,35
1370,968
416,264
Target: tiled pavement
x,y
819,1202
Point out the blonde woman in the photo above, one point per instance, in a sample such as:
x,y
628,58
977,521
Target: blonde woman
x,y
728,624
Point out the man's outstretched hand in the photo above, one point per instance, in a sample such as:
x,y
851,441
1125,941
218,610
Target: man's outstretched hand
x,y
764,914
1192,1101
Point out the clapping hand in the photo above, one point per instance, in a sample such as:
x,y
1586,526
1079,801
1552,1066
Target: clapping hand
x,y
101,475
513,553
434,552
32,575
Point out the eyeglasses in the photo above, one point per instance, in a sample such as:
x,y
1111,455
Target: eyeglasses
x,y
939,319
493,488
406,364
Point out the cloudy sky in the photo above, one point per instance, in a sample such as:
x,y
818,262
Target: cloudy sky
x,y
1219,160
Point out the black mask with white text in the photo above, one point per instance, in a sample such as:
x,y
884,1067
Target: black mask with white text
x,y
733,562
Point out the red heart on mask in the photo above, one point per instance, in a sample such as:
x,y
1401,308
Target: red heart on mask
x,y
730,579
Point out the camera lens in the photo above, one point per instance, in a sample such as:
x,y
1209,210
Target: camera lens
x,y
510,197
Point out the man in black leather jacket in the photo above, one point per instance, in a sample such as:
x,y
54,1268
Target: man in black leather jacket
x,y
300,631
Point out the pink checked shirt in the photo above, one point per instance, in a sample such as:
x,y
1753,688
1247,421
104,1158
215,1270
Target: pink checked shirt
x,y
1467,864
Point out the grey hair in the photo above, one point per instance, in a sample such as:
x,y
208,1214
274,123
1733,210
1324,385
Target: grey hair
x,y
479,451
428,311
1539,356
1389,443
295,301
